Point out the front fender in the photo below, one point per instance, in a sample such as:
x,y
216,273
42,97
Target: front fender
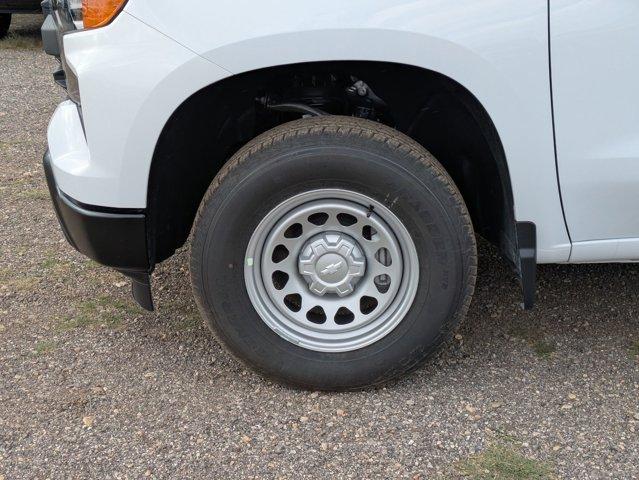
x,y
498,50
131,79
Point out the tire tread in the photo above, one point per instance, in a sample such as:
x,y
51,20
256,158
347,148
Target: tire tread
x,y
394,140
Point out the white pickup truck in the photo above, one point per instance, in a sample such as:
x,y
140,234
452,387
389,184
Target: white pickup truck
x,y
333,161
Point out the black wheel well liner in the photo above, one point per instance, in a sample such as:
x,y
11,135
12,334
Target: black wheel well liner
x,y
442,115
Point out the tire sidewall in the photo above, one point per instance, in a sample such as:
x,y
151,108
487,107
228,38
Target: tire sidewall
x,y
267,177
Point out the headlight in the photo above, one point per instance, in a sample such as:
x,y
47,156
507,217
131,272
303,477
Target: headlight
x,y
94,13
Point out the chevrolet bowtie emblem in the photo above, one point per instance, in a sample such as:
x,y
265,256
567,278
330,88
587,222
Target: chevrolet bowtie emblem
x,y
332,268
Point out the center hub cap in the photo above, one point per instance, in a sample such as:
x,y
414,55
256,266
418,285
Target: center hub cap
x,y
332,262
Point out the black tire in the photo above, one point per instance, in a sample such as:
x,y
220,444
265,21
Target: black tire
x,y
347,153
5,22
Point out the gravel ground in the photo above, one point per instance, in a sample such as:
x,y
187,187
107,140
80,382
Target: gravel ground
x,y
91,386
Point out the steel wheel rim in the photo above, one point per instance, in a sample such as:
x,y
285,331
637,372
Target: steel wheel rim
x,y
345,278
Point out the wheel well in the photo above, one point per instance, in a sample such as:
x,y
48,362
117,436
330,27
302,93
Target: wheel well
x,y
210,126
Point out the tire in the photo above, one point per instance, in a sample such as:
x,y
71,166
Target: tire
x,y
5,22
412,197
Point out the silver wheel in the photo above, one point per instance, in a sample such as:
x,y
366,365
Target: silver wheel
x,y
331,270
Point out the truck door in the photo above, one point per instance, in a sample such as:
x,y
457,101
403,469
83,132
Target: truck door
x,y
594,47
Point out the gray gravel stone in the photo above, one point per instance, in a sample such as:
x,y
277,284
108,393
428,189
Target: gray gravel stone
x,y
92,386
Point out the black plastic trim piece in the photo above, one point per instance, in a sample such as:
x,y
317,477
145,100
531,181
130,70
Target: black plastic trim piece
x,y
115,238
527,246
141,289
60,78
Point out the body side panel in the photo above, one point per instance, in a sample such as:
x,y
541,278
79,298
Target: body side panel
x,y
498,50
132,77
596,95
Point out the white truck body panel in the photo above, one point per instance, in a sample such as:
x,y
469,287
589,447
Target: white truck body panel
x,y
132,78
596,103
134,73
498,50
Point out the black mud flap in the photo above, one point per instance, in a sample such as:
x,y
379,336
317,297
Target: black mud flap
x,y
141,289
527,248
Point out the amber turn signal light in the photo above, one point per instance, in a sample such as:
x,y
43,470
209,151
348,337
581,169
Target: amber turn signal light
x,y
97,13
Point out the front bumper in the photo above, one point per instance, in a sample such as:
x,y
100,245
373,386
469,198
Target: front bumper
x,y
115,237
112,237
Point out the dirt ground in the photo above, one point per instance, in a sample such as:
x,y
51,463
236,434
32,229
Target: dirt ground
x,y
91,386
